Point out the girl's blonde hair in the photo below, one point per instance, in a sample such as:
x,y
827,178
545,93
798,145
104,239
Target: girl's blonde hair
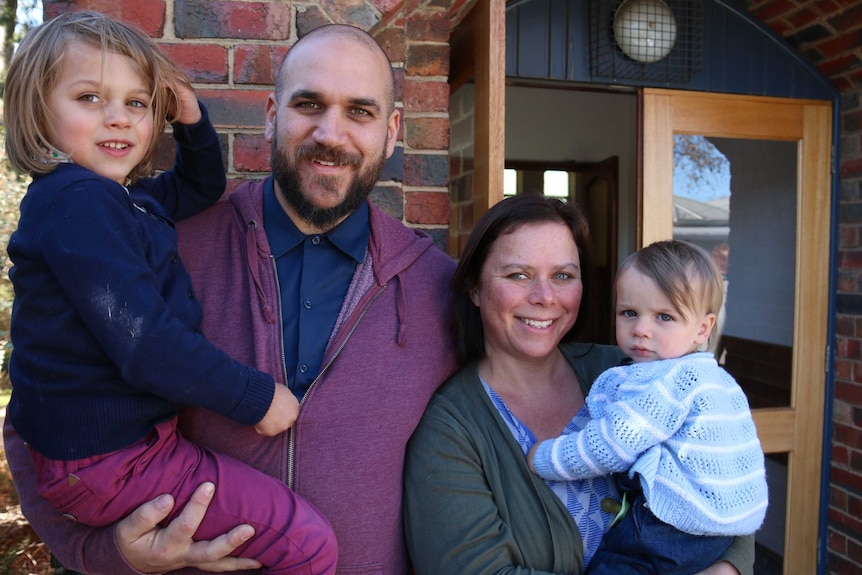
x,y
35,70
684,272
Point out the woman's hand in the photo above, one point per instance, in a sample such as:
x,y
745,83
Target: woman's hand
x,y
151,549
720,568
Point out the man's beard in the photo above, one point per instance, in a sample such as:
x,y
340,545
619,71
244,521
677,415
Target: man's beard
x,y
290,183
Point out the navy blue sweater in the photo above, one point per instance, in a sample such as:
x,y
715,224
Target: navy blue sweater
x,y
105,321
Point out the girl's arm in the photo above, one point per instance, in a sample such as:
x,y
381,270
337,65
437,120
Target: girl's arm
x,y
197,179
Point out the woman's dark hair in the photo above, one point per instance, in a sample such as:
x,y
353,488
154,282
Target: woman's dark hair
x,y
504,218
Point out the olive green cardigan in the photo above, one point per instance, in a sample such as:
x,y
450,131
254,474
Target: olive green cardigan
x,y
471,504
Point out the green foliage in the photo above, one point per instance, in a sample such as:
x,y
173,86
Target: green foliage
x,y
699,155
12,188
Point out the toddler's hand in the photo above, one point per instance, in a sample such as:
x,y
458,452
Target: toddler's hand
x,y
190,112
282,412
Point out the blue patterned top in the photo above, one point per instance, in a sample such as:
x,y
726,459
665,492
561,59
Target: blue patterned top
x,y
582,497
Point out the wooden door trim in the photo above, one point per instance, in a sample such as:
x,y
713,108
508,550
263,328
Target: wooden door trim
x,y
489,129
797,429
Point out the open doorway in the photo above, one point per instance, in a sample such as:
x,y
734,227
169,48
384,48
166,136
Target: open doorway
x,y
594,187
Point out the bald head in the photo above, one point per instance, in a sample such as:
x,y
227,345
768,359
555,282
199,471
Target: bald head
x,y
332,34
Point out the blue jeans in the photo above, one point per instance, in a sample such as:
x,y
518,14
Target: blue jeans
x,y
641,543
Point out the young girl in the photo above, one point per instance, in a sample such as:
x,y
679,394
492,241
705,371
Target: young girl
x,y
673,419
105,321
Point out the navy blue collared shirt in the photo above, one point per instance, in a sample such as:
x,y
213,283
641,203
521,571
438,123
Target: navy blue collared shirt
x,y
314,273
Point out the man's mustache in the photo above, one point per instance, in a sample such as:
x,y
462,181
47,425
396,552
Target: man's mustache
x,y
325,154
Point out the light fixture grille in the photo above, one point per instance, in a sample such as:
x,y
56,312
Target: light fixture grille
x,y
609,63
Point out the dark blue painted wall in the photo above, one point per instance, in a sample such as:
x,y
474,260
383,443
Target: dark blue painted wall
x,y
551,40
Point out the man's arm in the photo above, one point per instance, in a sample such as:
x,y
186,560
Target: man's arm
x,y
66,539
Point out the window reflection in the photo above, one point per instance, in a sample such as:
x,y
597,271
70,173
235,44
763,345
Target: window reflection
x,y
737,199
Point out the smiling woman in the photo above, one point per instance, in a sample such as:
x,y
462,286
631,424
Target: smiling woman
x,y
520,293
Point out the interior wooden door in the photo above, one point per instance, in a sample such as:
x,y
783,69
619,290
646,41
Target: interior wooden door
x,y
791,427
597,193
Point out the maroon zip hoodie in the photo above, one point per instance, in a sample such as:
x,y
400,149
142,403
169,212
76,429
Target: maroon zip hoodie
x,y
390,350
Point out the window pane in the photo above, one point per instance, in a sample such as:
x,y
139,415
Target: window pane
x,y
556,184
510,182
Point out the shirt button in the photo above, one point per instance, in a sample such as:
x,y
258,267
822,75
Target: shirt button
x,y
315,240
307,304
173,259
191,294
303,368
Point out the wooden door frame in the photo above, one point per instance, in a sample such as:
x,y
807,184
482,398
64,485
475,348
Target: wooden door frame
x,y
797,429
481,41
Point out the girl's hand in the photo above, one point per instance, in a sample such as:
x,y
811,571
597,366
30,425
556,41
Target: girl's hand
x,y
190,112
282,412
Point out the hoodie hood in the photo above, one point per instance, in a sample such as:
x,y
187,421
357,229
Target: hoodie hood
x,y
393,246
392,249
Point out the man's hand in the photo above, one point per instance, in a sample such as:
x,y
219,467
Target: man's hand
x,y
151,549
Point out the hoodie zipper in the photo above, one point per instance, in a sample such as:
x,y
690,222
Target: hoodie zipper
x,y
291,446
280,320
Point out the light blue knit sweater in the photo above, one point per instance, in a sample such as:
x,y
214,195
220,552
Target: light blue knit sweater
x,y
684,426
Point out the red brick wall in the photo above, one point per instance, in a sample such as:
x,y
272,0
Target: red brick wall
x,y
230,49
845,499
828,33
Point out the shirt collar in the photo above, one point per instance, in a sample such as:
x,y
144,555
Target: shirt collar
x,y
350,236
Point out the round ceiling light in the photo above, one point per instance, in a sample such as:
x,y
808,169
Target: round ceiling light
x,y
645,30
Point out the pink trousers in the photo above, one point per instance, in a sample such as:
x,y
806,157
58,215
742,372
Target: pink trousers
x,y
291,536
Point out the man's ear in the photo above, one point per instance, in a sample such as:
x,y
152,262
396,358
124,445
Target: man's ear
x,y
269,115
392,128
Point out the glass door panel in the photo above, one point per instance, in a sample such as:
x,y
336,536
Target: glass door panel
x,y
736,198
